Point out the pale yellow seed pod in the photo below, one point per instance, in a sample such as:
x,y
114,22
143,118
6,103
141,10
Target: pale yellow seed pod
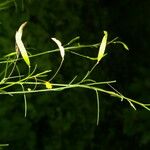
x,y
19,44
102,47
61,48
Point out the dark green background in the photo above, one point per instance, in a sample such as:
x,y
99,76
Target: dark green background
x,y
67,120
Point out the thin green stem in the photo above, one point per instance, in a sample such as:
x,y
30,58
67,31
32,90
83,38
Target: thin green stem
x,y
57,70
98,107
66,86
52,51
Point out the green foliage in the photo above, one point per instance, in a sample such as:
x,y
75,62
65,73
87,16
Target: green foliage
x,y
67,119
6,4
36,80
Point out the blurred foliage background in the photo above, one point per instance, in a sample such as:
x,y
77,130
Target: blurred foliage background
x,y
67,120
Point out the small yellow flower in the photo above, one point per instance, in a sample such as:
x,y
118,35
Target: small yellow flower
x,y
48,85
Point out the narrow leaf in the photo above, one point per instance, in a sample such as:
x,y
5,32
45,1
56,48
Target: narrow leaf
x,y
61,48
131,104
1,145
20,45
97,97
73,40
10,54
124,45
102,47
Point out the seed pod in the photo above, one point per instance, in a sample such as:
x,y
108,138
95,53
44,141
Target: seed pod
x,y
19,44
102,47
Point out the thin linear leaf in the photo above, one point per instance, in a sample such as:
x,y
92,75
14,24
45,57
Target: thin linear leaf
x,y
19,44
124,45
61,48
25,101
73,40
102,47
98,107
10,54
2,145
131,104
81,55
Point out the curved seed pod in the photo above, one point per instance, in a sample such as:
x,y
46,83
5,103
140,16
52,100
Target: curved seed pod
x,y
61,48
19,44
102,47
